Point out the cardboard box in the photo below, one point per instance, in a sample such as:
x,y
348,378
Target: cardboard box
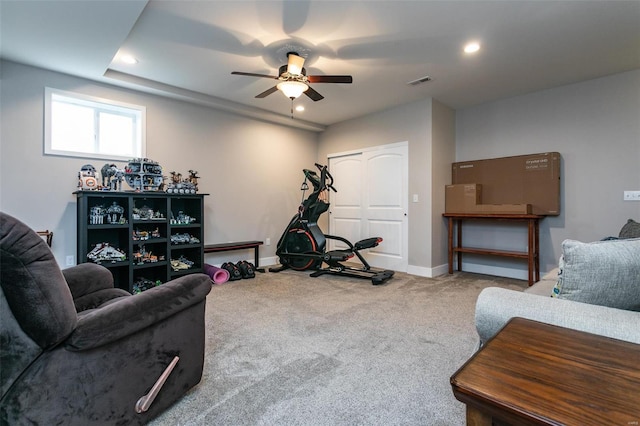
x,y
467,198
503,208
462,198
525,179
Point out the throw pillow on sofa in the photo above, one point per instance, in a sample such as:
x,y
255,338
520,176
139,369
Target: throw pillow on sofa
x,y
631,229
603,273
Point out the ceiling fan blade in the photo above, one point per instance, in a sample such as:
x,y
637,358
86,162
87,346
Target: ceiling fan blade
x,y
267,92
250,74
315,96
295,64
330,79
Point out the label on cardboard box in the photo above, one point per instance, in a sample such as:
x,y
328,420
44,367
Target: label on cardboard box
x,y
536,163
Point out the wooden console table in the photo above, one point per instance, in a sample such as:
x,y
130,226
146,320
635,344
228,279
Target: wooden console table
x,y
532,373
532,255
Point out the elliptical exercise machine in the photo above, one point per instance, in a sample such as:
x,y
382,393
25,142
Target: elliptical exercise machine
x,y
302,245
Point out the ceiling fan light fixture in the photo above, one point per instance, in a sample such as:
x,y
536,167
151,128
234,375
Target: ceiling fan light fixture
x,y
292,89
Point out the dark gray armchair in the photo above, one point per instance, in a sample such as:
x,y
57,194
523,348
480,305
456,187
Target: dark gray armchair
x,y
76,350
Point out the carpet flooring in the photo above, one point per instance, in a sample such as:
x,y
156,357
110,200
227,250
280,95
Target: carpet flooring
x,y
287,349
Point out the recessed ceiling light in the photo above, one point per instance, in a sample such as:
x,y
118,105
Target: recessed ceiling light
x,y
472,47
128,59
299,108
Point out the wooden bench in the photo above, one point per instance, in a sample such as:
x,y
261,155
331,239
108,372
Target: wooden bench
x,y
241,245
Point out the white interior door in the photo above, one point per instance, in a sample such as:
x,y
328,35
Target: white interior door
x,y
372,202
345,212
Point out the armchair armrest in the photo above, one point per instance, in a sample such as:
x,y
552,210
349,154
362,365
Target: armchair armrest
x,y
87,278
496,306
127,315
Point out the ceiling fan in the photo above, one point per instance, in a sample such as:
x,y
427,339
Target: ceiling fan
x,y
294,80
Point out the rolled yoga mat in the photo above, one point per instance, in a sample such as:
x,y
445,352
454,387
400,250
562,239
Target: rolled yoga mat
x,y
218,275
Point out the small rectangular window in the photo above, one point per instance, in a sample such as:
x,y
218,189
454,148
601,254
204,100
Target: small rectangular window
x,y
84,126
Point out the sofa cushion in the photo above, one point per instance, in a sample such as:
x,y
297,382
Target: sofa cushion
x,y
603,273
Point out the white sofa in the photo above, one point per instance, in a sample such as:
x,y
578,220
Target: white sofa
x,y
598,292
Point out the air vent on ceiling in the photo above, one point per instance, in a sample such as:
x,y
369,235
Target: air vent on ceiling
x,y
419,81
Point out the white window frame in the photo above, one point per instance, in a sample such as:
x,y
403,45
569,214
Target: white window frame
x,y
98,104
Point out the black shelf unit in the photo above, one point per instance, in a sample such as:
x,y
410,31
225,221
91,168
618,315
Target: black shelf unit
x,y
125,232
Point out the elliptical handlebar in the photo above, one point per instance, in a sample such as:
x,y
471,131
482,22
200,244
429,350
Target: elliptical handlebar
x,y
324,175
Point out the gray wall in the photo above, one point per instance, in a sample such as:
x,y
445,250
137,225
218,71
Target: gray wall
x,y
595,125
417,123
443,154
251,169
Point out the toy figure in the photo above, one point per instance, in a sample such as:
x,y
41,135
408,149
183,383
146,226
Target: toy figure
x,y
112,177
193,178
143,174
186,186
96,215
142,284
87,180
115,214
104,252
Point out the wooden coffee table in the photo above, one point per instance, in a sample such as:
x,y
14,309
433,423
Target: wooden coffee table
x,y
539,374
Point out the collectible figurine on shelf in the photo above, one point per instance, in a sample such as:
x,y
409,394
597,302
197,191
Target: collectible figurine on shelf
x,y
143,174
181,219
185,238
181,263
193,178
174,186
186,186
96,215
139,235
112,177
115,214
143,256
142,284
87,179
179,238
103,252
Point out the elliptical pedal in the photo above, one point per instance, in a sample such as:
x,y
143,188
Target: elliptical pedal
x,y
381,277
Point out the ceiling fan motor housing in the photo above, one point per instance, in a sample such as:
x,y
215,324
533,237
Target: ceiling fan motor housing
x,y
283,74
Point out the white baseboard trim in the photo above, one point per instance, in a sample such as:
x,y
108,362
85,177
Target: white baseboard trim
x,y
269,261
498,271
440,270
421,271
